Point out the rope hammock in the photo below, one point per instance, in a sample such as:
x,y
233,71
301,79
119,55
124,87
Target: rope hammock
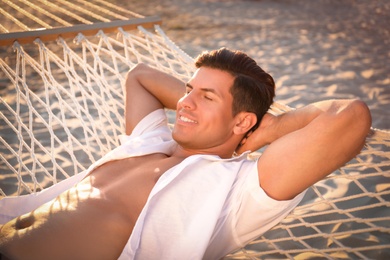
x,y
61,109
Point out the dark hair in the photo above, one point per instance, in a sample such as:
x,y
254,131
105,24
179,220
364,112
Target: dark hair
x,y
253,89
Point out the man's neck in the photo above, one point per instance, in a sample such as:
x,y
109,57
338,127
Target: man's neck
x,y
183,152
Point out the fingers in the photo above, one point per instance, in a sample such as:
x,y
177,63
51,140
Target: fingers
x,y
243,141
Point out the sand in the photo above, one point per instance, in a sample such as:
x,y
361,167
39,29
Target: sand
x,y
314,49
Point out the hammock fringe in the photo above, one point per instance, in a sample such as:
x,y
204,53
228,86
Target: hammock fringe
x,y
61,108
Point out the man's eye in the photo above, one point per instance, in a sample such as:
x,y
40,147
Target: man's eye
x,y
208,98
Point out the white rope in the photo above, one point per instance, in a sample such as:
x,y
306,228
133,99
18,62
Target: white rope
x,y
22,11
45,12
57,123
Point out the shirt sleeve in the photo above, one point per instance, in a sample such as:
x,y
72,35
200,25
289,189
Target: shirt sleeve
x,y
153,121
248,213
254,211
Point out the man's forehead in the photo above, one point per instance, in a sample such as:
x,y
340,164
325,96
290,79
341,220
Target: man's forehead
x,y
206,77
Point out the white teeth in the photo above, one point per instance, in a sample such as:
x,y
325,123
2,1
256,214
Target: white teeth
x,y
185,119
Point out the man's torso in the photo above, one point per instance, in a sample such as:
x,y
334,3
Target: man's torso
x,y
98,213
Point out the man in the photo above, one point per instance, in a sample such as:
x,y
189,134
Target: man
x,y
155,197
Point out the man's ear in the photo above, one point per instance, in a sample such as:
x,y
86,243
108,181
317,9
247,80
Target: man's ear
x,y
244,122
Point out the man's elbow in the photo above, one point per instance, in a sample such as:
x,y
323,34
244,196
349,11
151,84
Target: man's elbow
x,y
135,70
361,116
352,115
357,125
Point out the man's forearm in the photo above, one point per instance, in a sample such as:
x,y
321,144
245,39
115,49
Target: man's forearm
x,y
309,143
166,88
291,121
148,89
323,115
328,111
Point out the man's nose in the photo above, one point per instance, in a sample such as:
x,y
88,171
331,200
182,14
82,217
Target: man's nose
x,y
187,101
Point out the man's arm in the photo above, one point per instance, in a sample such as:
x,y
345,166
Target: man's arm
x,y
148,89
307,144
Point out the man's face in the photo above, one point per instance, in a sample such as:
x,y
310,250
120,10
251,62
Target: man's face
x,y
204,118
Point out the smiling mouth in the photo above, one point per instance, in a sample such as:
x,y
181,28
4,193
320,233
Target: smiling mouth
x,y
185,119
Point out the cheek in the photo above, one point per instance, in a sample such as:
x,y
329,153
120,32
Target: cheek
x,y
220,117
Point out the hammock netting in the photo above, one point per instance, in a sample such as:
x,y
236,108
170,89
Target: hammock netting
x,y
61,109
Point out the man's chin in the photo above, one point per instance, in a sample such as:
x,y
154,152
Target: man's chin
x,y
186,143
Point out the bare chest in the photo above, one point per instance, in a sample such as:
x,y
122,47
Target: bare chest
x,y
127,183
108,201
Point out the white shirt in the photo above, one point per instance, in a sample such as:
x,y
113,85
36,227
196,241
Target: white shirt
x,y
203,208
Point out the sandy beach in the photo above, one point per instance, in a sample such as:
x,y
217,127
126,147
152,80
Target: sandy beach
x,y
315,50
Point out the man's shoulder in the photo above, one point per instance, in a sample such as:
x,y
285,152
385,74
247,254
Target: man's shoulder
x,y
155,121
240,164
